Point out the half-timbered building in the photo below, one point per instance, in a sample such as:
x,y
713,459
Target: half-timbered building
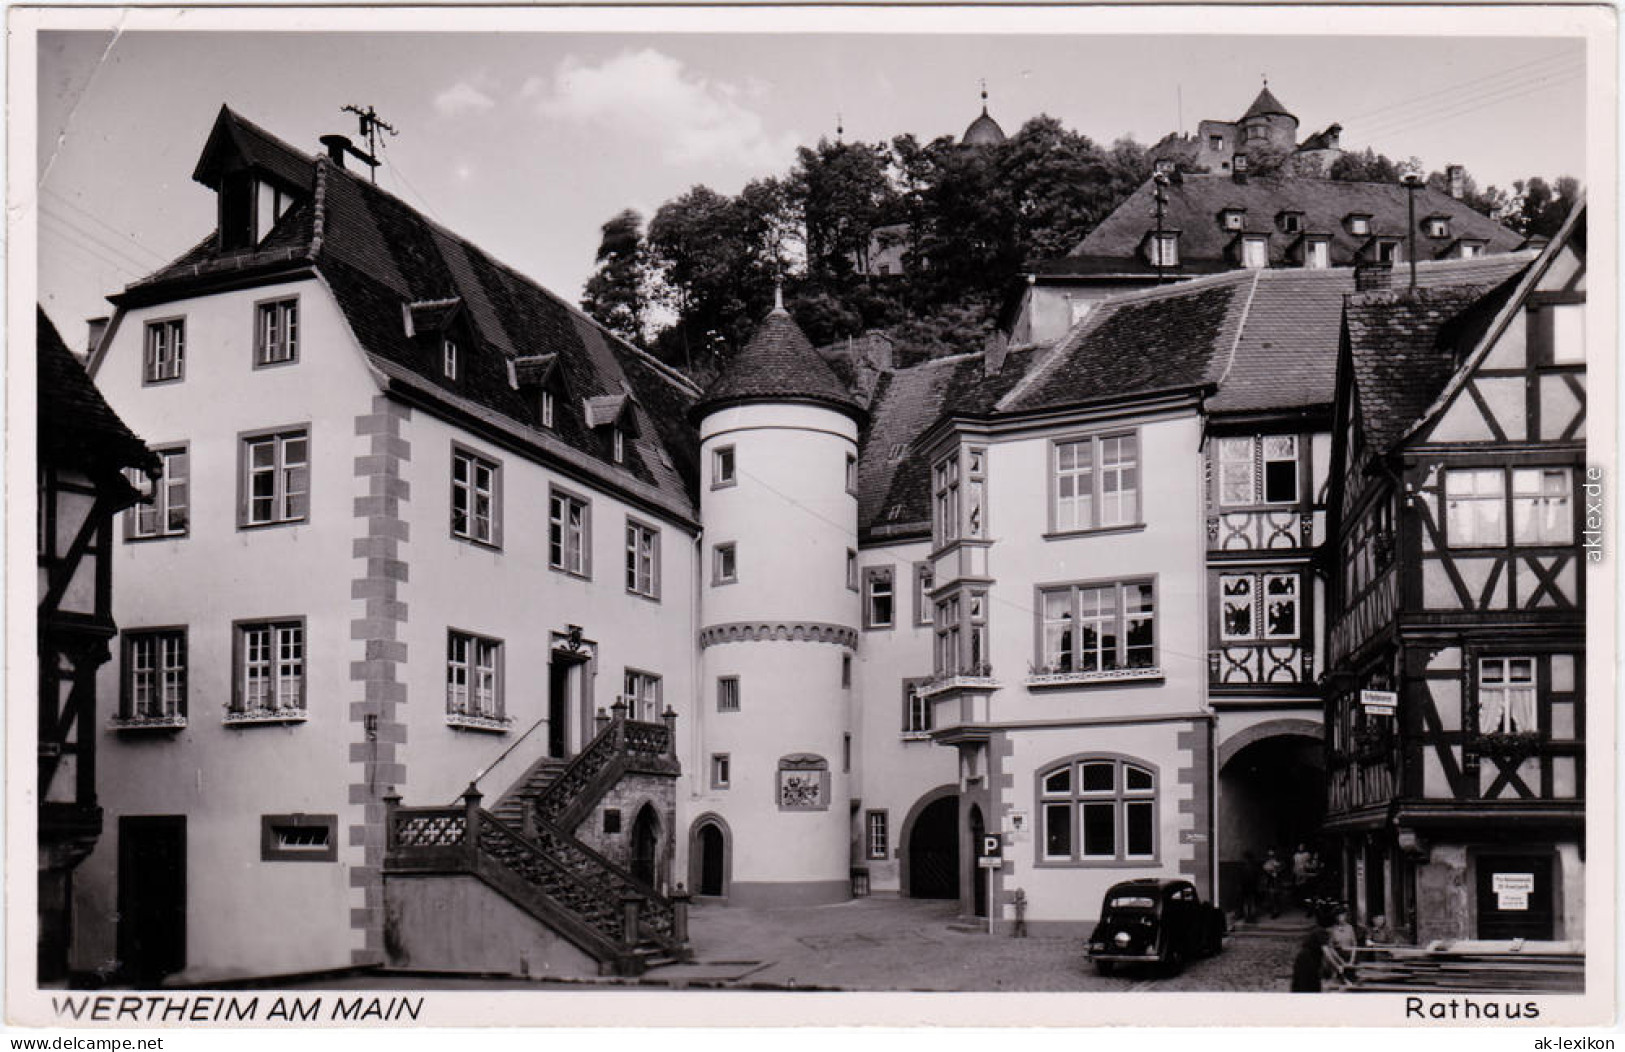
x,y
85,451
1456,708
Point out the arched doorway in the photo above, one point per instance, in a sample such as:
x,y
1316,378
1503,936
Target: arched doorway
x,y
1272,794
645,845
708,856
933,851
978,878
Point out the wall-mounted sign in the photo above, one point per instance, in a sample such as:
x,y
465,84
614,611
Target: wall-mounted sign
x,y
1379,702
1512,890
1020,825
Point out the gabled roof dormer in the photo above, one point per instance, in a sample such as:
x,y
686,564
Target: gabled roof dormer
x,y
445,340
540,379
1436,225
1232,217
1311,251
1358,224
256,178
1249,249
614,418
1161,247
1463,248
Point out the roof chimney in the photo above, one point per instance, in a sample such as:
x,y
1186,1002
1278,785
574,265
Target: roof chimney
x,y
1238,167
1458,180
1372,276
336,145
97,327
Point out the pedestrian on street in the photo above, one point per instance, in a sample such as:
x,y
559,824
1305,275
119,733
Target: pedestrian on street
x,y
1250,876
1310,961
1274,877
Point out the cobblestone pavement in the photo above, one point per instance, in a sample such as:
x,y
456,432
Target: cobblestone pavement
x,y
909,944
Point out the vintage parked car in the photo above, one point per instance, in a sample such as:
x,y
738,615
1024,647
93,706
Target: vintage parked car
x,y
1156,921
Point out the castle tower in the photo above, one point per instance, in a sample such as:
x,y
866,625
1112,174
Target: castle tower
x,y
1268,124
779,612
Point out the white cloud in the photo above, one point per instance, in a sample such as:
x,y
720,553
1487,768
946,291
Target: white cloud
x,y
648,95
462,97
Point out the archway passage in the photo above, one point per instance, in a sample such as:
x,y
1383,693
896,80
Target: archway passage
x,y
712,848
933,851
1272,794
645,844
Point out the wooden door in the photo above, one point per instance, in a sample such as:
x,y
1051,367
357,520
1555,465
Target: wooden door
x,y
152,897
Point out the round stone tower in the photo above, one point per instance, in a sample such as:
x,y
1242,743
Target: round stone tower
x,y
1268,122
779,616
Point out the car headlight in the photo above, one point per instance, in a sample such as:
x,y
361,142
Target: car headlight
x,y
1122,938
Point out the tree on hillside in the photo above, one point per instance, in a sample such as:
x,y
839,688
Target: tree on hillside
x,y
843,192
614,295
1538,208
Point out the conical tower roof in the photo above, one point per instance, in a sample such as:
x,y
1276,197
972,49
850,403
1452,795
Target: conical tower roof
x,y
779,364
1266,105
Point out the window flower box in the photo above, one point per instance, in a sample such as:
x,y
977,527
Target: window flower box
x,y
1509,746
470,721
251,717
173,721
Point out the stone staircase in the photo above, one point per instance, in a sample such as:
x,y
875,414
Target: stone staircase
x,y
525,849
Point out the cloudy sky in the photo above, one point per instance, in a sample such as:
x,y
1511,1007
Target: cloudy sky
x,y
526,141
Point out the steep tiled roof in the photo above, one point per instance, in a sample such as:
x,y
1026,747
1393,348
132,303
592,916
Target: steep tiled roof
x,y
778,364
1266,339
1194,203
1266,105
894,484
386,263
77,428
1399,359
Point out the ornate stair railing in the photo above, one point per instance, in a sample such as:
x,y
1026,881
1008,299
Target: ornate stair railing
x,y
621,746
598,906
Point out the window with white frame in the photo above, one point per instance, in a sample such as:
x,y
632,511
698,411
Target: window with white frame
x,y
724,563
878,598
450,358
1259,606
1254,253
852,474
270,676
641,691
166,513
1437,226
924,581
1098,627
276,333
727,693
1096,482
618,442
569,534
916,707
1542,506
1359,225
547,409
1475,507
474,511
1098,809
473,675
1317,254
852,569
154,674
1470,250
723,467
642,559
1506,696
165,357
275,478
1163,250
721,770
961,634
1258,469
945,491
875,838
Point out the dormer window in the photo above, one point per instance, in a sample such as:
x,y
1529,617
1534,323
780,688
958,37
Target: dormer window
x,y
1436,226
1232,218
1162,250
1255,252
449,358
1215,143
1290,222
1317,253
547,409
1359,225
1390,251
618,440
1469,249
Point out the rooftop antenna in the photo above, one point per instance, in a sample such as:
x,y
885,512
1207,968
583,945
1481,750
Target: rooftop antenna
x,y
371,125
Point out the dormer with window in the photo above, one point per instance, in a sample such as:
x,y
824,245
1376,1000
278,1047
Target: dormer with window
x,y
539,378
1311,251
1288,221
1436,225
1358,224
1161,248
612,418
1232,218
1383,249
252,190
442,333
1251,251
1464,248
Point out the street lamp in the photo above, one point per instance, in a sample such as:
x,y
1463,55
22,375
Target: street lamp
x,y
1412,183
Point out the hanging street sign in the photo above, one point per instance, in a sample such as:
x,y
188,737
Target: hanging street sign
x,y
1379,702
